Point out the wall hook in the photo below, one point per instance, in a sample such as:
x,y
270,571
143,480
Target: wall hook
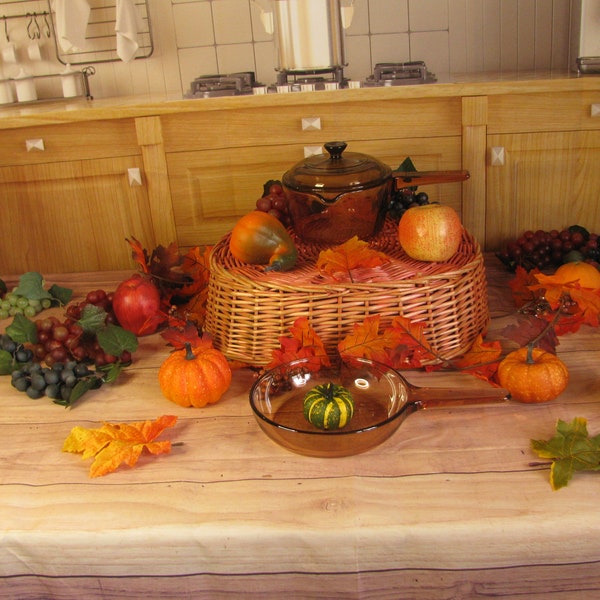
x,y
33,27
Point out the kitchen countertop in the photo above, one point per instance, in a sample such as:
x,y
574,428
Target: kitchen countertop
x,y
448,507
455,85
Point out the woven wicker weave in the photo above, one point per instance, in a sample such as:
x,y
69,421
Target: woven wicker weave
x,y
248,309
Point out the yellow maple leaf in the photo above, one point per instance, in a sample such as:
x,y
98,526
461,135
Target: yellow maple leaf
x,y
340,261
113,444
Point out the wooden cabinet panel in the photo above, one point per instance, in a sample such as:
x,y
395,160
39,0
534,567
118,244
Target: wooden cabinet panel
x,y
548,181
347,120
211,189
69,141
71,216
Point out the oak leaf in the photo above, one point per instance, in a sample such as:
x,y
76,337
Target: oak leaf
x,y
520,286
114,444
365,341
341,261
409,346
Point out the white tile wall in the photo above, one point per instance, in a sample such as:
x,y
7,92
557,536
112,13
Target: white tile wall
x,y
196,37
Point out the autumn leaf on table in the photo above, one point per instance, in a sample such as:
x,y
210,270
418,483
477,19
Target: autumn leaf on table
x,y
481,360
571,450
303,343
520,286
178,336
114,444
555,287
526,328
342,262
410,349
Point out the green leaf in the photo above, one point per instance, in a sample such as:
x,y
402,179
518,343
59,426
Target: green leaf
x,y
3,288
81,387
407,165
571,450
22,330
92,318
111,372
31,285
62,294
115,340
6,363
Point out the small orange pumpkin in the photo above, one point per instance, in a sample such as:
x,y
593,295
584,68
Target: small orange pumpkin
x,y
195,376
533,375
583,273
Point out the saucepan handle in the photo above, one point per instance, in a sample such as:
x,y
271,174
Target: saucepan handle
x,y
432,397
406,179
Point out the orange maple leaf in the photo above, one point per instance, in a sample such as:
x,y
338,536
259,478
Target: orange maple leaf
x,y
139,254
340,261
520,286
195,264
304,343
481,360
555,287
113,444
178,336
409,347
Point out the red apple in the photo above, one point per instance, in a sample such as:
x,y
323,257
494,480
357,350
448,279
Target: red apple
x,y
431,232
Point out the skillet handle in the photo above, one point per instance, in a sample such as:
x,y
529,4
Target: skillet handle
x,y
406,179
432,397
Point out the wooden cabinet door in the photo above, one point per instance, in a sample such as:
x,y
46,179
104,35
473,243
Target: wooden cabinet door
x,y
211,189
547,181
72,216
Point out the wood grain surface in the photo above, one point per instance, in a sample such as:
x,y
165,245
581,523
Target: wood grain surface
x,y
448,507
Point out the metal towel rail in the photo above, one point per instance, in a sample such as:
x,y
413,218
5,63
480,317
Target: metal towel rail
x,y
101,36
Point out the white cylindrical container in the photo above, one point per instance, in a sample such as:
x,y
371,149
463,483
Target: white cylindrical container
x,y
6,92
25,85
69,82
9,53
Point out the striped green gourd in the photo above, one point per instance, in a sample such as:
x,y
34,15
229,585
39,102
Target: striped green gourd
x,y
328,406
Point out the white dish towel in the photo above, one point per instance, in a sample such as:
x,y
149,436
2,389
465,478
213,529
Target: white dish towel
x,y
72,18
128,23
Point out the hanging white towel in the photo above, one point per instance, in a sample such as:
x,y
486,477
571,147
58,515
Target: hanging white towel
x,y
128,23
72,18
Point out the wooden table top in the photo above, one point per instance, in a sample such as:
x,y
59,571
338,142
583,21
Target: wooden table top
x,y
449,506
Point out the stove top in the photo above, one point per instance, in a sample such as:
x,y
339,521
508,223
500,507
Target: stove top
x,y
399,73
244,82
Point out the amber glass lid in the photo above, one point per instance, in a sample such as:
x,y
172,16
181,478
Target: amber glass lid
x,y
337,172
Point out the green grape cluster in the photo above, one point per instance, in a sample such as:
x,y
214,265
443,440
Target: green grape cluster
x,y
13,304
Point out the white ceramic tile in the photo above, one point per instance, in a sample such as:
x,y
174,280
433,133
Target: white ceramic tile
x,y
360,18
428,15
526,41
560,32
457,36
358,56
509,35
265,62
388,17
232,21
432,47
543,34
194,62
193,25
390,47
235,57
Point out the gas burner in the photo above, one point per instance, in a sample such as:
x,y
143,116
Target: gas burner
x,y
320,79
212,86
401,73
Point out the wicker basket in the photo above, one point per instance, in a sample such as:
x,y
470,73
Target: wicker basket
x,y
248,309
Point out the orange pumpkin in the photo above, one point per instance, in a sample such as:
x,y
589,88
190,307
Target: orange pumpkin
x,y
587,275
259,238
533,375
195,376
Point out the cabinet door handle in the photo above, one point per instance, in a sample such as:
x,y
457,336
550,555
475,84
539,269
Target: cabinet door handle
x,y
35,144
135,177
312,151
595,110
311,124
497,156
